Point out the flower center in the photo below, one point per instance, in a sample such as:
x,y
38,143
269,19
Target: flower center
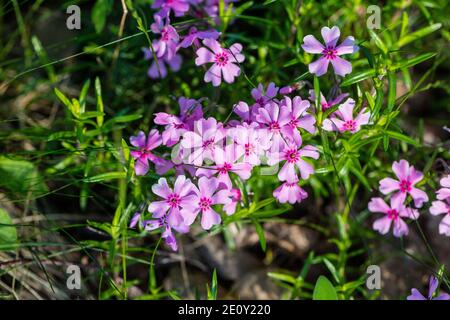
x,y
205,203
225,168
329,53
392,214
325,105
165,35
249,148
293,123
274,126
405,186
349,125
173,200
260,101
292,155
179,125
208,144
221,59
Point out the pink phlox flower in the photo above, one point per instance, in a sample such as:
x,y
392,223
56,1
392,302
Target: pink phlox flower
x,y
392,215
295,113
168,234
200,144
330,52
432,287
293,156
407,177
444,192
270,119
145,146
343,121
327,104
179,7
246,113
194,34
173,199
442,207
210,192
236,197
224,61
291,88
290,192
167,44
262,96
176,126
251,142
226,161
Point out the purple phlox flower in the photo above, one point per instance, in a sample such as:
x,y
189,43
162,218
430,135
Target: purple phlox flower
x,y
135,219
194,34
168,43
176,162
327,104
251,142
153,72
224,61
291,88
201,143
270,119
211,7
330,52
167,235
210,192
293,156
432,287
343,121
145,146
173,199
290,192
262,96
236,197
392,214
226,160
295,113
408,177
179,7
246,113
442,207
175,127
444,192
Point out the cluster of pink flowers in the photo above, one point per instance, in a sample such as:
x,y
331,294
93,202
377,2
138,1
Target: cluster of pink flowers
x,y
225,62
208,158
442,206
399,190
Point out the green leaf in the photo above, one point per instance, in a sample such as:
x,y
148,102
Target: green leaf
x,y
261,236
402,137
8,232
378,42
412,62
324,290
418,34
100,108
358,77
105,176
100,13
392,90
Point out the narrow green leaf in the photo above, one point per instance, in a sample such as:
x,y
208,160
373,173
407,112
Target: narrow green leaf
x,y
359,77
418,34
